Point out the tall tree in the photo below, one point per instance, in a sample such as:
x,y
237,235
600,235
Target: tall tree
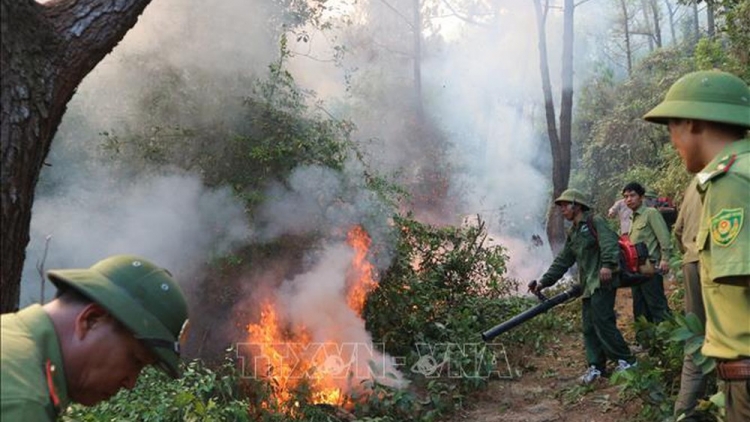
x,y
671,10
656,15
560,143
696,26
627,35
417,28
648,30
47,49
710,19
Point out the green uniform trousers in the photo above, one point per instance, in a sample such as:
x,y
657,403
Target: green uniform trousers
x,y
649,301
601,336
692,382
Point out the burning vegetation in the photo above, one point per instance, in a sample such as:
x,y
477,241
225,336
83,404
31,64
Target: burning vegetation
x,y
330,360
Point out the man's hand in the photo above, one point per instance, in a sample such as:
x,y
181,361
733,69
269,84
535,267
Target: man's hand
x,y
605,275
664,266
535,287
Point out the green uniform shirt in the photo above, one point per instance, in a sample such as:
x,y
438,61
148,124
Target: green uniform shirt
x,y
32,381
724,250
688,220
581,248
648,226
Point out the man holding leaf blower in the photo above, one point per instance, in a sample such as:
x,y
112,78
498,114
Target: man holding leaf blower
x,y
593,246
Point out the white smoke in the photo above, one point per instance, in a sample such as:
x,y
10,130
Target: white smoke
x,y
92,211
483,85
317,301
320,200
172,220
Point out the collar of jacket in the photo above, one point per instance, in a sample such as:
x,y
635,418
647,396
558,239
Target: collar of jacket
x,y
43,331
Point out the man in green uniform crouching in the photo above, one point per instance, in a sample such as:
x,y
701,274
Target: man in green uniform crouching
x,y
708,116
105,324
593,246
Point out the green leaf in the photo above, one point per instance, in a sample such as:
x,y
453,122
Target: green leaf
x,y
681,334
693,345
718,399
694,324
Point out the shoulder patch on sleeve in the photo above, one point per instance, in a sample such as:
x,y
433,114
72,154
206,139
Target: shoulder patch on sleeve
x,y
726,226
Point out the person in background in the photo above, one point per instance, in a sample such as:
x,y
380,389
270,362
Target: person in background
x,y
707,114
105,324
620,210
664,205
593,246
648,226
692,381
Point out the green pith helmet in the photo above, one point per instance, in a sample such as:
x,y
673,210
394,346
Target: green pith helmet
x,y
712,95
651,194
143,297
574,196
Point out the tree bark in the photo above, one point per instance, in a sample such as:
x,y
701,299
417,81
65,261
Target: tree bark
x,y
417,16
649,31
626,32
671,12
657,25
696,26
560,171
47,49
566,115
710,18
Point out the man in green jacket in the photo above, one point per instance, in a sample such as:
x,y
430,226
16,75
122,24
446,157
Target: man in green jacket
x,y
105,324
593,246
648,226
708,116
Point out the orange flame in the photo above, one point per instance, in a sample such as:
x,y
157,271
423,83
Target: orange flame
x,y
285,352
360,278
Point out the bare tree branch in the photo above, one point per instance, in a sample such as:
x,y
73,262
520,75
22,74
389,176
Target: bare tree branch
x,y
465,18
397,12
40,267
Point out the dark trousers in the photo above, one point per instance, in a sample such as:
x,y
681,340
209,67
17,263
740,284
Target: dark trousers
x,y
649,301
601,336
692,381
737,400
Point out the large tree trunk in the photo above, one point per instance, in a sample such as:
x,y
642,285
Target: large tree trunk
x,y
560,172
566,117
47,49
711,25
566,103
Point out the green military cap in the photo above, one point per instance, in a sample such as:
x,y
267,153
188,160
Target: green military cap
x,y
574,196
142,296
650,193
713,95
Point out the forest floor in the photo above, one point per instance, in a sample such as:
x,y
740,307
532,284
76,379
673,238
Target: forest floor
x,y
548,388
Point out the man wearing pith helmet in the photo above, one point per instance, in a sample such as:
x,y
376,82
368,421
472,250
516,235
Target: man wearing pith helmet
x,y
708,116
105,324
593,246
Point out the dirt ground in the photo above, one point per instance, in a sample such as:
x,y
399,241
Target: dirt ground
x,y
548,390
